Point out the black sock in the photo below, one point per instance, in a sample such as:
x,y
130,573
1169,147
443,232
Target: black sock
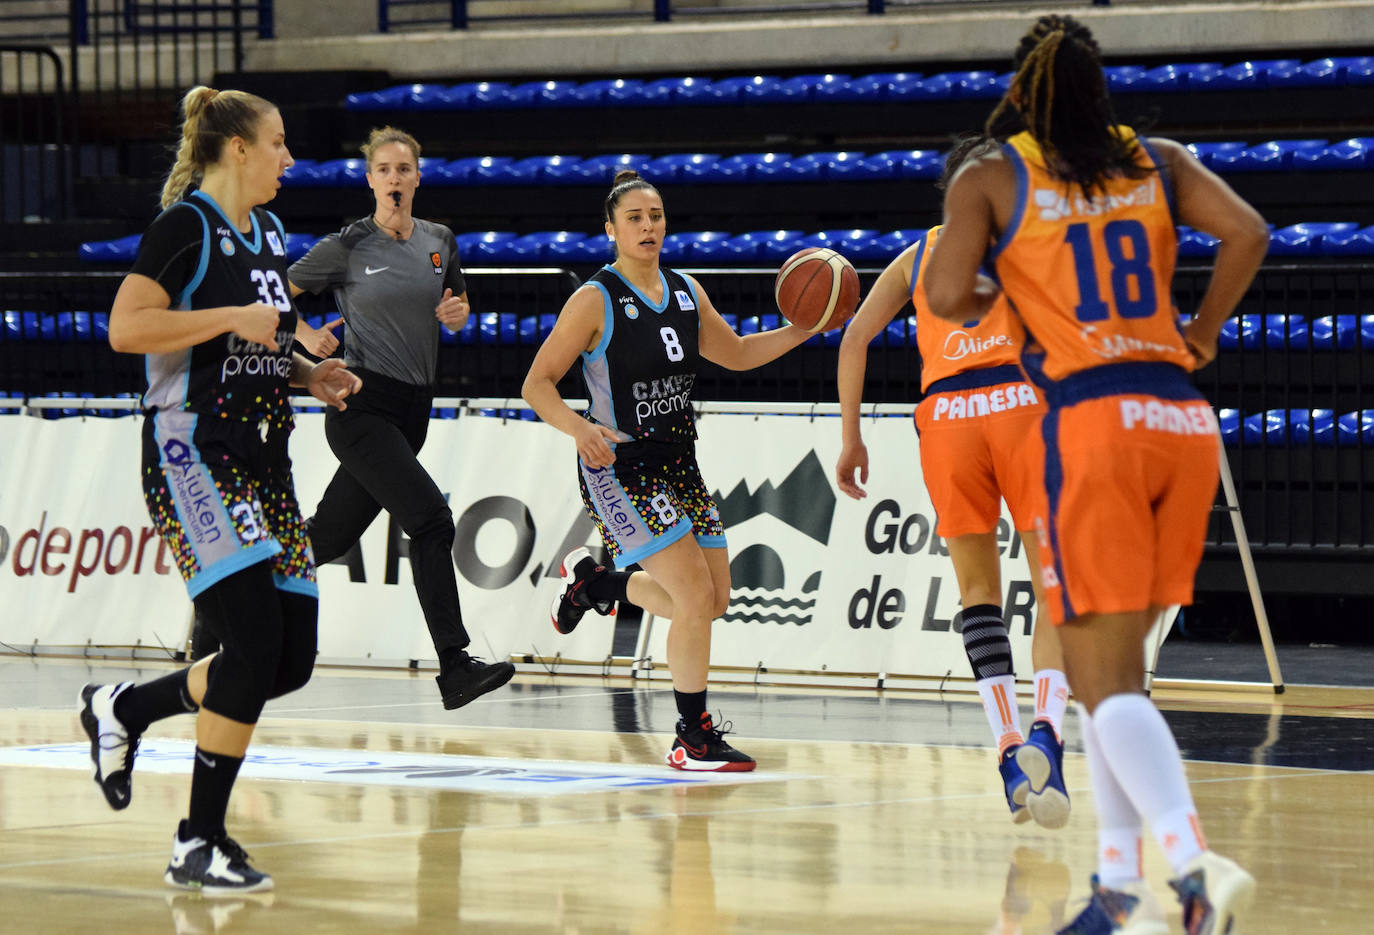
x,y
212,779
609,586
141,705
691,706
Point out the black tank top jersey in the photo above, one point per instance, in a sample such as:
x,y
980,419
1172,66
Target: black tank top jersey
x,y
640,376
197,255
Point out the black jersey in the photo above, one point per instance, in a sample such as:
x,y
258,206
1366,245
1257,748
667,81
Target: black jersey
x,y
640,377
195,253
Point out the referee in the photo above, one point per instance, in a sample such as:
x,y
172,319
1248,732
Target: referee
x,y
397,279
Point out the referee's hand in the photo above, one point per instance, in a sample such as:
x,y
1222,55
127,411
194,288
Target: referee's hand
x,y
452,310
331,382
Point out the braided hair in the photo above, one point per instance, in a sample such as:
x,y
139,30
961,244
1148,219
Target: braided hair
x,y
1060,94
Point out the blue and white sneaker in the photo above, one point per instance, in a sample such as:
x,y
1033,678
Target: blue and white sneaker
x,y
1214,892
1015,784
1132,910
113,747
217,867
1041,758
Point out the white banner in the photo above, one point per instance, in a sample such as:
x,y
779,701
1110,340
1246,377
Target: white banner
x,y
822,583
825,583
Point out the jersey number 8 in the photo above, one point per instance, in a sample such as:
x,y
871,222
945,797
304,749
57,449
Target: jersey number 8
x,y
671,344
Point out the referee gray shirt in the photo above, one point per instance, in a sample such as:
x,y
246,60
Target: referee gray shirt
x,y
387,290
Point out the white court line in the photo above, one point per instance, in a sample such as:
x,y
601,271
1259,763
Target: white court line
x,y
600,819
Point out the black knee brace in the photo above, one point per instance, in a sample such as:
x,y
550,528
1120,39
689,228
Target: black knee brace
x,y
248,615
300,617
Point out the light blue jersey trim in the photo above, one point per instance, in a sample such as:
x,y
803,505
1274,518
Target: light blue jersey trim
x,y
296,585
1018,212
607,325
256,246
711,542
678,530
656,306
257,552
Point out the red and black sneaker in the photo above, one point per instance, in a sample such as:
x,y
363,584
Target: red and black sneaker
x,y
703,748
578,570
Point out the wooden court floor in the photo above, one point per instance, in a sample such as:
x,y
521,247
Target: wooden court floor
x,y
544,808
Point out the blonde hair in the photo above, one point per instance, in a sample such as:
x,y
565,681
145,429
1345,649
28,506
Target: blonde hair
x,y
210,119
380,137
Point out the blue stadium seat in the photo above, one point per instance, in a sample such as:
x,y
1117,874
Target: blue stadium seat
x,y
1196,243
759,245
929,88
913,163
1353,154
694,246
392,98
295,174
470,332
488,95
875,87
809,168
593,93
735,169
885,247
731,90
1265,157
119,250
483,247
1244,331
1120,77
536,246
803,88
535,328
464,171
1228,421
1305,239
298,245
1349,243
592,248
979,84
1342,332
498,328
672,168
1356,428
542,94
1205,151
681,91
601,170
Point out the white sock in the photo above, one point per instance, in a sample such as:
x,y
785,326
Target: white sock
x,y
1051,698
1140,749
1119,835
999,704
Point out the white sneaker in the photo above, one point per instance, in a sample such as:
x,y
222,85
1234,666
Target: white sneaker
x,y
216,868
1128,910
1214,892
112,748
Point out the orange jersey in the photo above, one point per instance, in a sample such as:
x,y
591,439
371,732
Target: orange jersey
x,y
1091,279
948,348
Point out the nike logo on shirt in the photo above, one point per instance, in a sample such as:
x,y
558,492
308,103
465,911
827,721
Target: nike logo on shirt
x,y
369,270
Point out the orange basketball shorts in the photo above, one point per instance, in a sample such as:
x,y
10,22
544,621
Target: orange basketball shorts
x,y
1129,481
979,446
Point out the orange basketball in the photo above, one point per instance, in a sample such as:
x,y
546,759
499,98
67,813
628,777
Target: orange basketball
x,y
817,289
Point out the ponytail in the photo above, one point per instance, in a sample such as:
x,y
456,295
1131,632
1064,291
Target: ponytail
x,y
210,119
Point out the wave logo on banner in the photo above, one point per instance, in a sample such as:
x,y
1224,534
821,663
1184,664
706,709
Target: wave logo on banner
x,y
763,590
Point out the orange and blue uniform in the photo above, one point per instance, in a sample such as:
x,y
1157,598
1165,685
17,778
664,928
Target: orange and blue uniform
x,y
1130,445
979,421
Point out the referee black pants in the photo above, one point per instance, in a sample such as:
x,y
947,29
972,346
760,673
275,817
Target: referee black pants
x,y
376,440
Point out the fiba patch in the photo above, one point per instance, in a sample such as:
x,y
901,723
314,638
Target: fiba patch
x,y
631,312
438,262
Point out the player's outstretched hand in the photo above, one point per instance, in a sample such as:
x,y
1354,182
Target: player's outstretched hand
x,y
257,323
452,310
594,445
853,457
331,382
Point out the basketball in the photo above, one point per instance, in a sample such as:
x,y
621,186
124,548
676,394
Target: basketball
x,y
817,289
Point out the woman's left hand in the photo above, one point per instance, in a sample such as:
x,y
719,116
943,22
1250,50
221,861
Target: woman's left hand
x,y
331,382
452,310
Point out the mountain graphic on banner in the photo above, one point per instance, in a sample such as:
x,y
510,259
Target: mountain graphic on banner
x,y
803,500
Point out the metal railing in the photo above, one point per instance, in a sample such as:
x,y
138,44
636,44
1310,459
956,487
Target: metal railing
x,y
455,14
35,135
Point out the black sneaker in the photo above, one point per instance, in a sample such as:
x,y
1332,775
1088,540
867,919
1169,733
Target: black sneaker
x,y
702,747
578,570
215,867
470,679
112,746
